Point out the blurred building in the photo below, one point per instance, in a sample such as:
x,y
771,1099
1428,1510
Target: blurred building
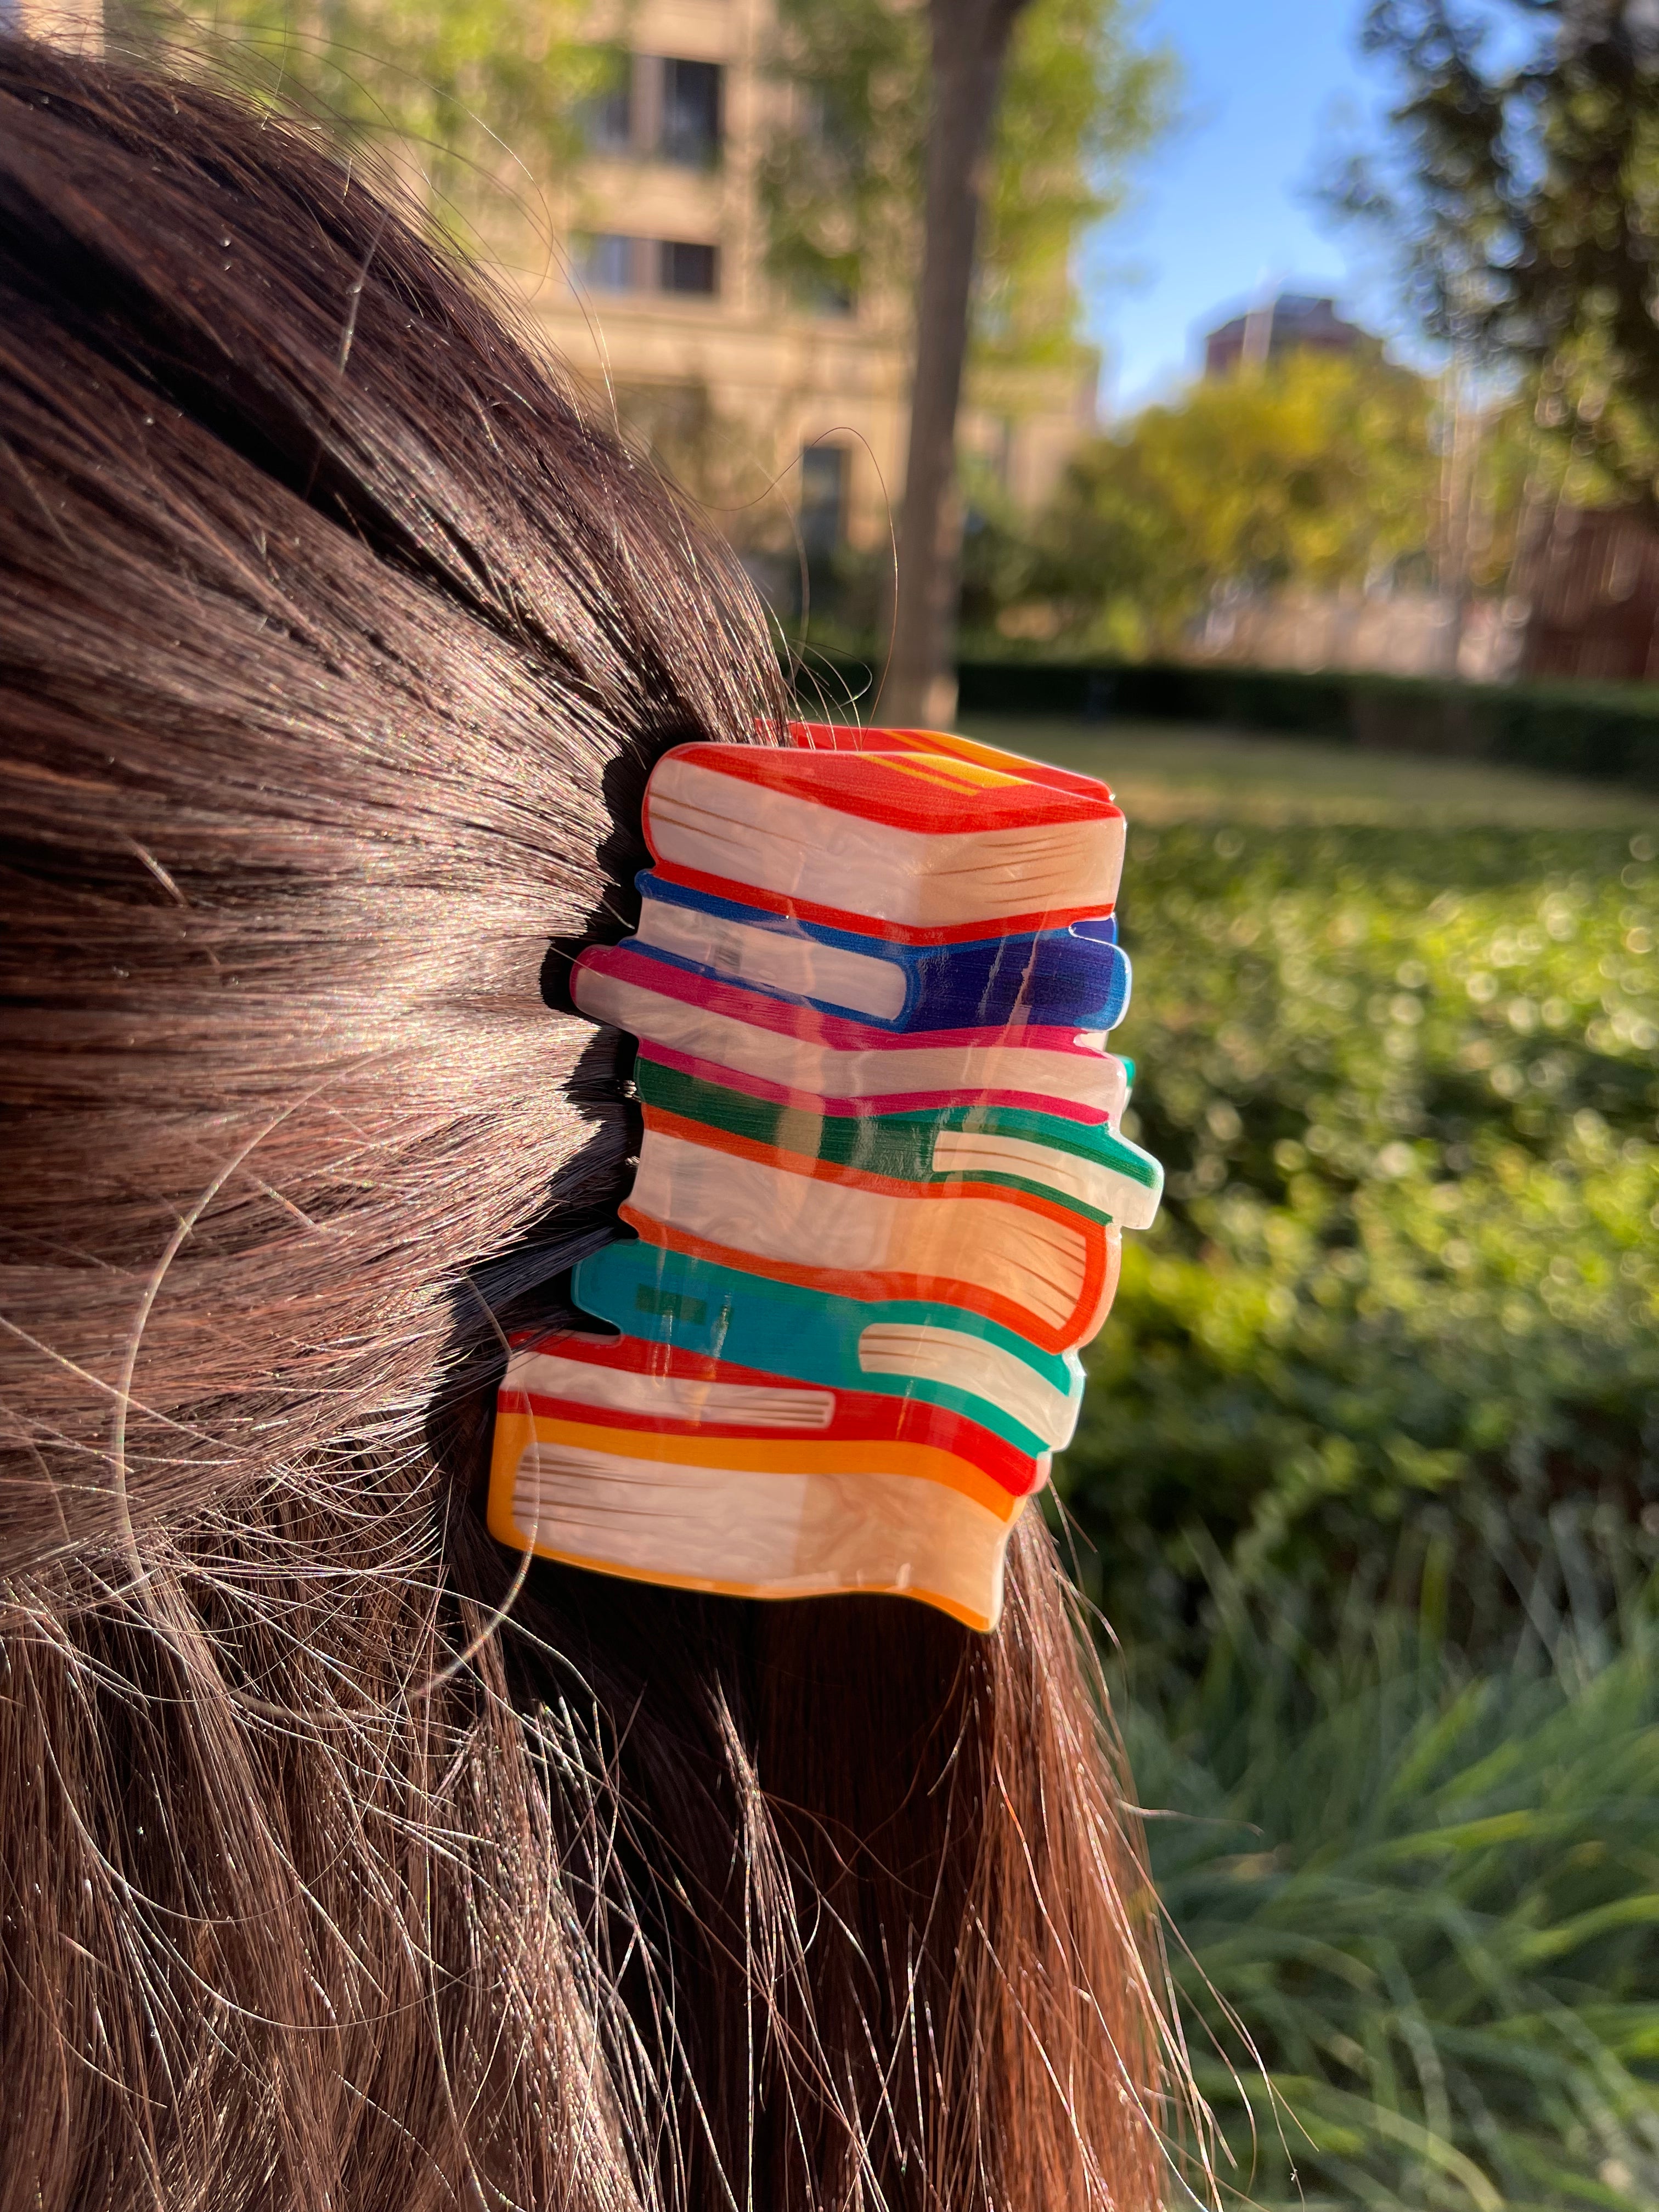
x,y
666,300
1388,630
1588,580
1296,322
77,24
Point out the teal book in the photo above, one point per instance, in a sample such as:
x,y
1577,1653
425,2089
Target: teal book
x,y
896,1347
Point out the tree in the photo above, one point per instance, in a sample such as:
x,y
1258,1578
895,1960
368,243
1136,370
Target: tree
x,y
984,132
491,98
1522,183
1314,470
969,41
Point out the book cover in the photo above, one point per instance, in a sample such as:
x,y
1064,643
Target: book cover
x,y
926,1350
858,738
1078,1164
1057,1070
1075,977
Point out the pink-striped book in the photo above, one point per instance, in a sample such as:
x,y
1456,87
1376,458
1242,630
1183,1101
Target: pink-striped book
x,y
1065,1071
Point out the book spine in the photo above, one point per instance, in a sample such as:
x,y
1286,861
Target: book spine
x,y
967,986
1055,979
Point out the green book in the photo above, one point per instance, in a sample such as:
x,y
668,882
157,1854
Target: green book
x,y
1081,1165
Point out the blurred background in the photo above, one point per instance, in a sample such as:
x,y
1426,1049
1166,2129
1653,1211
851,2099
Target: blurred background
x,y
1298,411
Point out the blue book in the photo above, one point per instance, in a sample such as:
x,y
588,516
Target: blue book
x,y
1053,978
902,1348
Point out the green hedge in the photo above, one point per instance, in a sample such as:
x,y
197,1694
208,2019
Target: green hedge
x,y
1610,732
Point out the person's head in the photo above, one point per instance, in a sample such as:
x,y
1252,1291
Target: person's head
x,y
336,637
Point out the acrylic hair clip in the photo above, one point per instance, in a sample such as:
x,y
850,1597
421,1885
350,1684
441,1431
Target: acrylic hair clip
x,y
881,1184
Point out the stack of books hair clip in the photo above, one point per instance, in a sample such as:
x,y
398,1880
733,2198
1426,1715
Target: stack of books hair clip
x,y
880,1186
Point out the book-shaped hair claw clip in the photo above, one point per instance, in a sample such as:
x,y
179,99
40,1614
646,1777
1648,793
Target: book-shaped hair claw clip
x,y
881,1184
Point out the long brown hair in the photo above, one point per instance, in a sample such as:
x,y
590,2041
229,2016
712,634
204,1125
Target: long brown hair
x,y
336,639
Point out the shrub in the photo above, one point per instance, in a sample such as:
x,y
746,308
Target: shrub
x,y
1405,1086
1609,731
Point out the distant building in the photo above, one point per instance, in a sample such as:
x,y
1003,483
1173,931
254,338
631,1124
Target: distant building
x,y
644,267
1589,584
1296,322
665,302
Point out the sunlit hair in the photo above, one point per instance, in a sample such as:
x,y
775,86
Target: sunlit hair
x,y
336,639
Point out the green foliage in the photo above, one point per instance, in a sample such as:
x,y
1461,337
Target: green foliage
x,y
1369,1470
1080,102
842,180
489,94
1421,1901
1405,1086
1317,470
1524,191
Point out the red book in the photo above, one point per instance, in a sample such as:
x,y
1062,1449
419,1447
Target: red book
x,y
929,842
632,1388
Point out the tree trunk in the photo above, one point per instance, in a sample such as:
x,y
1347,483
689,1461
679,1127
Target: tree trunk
x,y
969,41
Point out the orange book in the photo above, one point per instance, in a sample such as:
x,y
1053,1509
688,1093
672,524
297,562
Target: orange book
x,y
1035,1266
640,1459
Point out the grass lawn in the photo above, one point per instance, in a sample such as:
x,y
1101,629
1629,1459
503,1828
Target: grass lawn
x,y
1165,772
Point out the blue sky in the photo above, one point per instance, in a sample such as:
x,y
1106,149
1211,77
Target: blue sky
x,y
1270,86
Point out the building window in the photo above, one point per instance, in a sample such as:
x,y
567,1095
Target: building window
x,y
689,130
613,261
823,500
658,108
610,116
687,268
610,262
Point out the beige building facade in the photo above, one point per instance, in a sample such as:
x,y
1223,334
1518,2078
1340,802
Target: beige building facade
x,y
646,272
782,414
